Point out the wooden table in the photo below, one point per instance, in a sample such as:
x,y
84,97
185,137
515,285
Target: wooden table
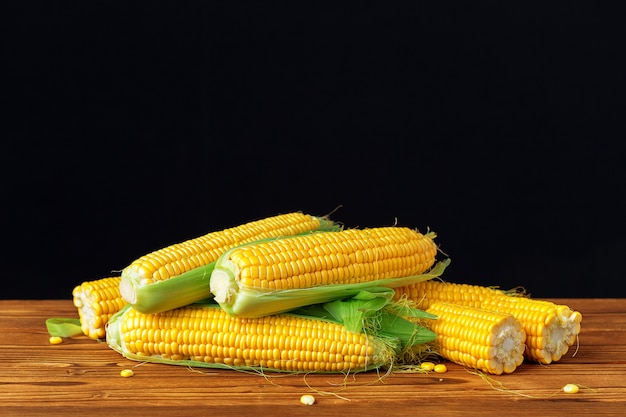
x,y
82,376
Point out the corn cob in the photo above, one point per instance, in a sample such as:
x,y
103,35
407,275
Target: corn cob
x,y
278,275
204,335
179,274
551,329
481,339
97,301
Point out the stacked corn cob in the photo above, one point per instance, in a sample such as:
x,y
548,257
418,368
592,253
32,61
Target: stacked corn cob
x,y
96,302
261,285
294,293
550,329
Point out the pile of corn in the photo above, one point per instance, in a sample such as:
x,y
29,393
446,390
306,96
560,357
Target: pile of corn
x,y
298,293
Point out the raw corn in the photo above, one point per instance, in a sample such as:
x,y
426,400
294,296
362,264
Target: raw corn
x,y
278,275
480,339
96,302
551,329
204,335
179,274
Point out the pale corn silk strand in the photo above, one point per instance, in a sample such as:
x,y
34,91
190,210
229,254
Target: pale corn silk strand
x,y
274,376
499,386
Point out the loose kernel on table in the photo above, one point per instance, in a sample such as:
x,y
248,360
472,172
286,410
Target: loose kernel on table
x,y
440,368
307,399
127,373
570,388
55,340
427,366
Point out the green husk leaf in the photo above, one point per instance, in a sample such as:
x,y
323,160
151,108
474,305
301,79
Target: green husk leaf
x,y
186,288
374,312
63,327
353,311
407,332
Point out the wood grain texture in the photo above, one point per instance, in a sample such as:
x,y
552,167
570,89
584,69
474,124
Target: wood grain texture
x,y
82,376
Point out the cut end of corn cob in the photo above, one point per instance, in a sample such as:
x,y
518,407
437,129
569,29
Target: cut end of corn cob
x,y
97,301
250,277
127,291
481,339
223,284
551,328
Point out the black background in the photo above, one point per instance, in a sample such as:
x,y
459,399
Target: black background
x,y
128,127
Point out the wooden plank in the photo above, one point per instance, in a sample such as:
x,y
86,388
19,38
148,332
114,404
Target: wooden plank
x,y
82,376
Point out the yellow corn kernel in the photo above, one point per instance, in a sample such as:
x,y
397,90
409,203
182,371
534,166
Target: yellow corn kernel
x,y
571,389
440,368
481,339
551,329
307,399
427,366
208,336
96,302
55,340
